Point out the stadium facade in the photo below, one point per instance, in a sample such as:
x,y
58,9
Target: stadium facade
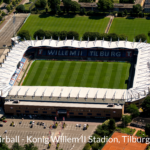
x,y
74,101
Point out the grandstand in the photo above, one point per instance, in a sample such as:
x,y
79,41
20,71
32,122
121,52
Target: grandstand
x,y
74,97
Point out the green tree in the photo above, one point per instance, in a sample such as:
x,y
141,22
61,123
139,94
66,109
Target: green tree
x,y
143,37
1,18
137,8
75,6
112,36
63,35
40,34
56,34
30,146
41,4
20,8
122,37
126,119
149,34
8,8
147,129
3,13
112,125
11,7
104,5
87,147
132,108
16,146
125,12
24,34
54,4
72,34
14,3
67,5
146,106
3,145
48,34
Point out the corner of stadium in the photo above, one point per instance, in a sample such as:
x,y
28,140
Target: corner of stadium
x,y
71,101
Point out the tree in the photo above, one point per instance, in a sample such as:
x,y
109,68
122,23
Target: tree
x,y
1,18
140,36
67,4
48,34
24,34
87,147
137,8
125,12
11,7
3,145
41,4
112,125
3,13
146,106
20,8
75,6
16,146
63,35
149,34
54,4
126,119
122,37
8,8
56,35
72,34
147,129
40,34
91,36
104,5
113,36
132,108
30,146
14,3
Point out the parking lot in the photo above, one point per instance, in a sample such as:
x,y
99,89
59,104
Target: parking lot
x,y
40,136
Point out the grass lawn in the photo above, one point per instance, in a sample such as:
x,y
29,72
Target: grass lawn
x,y
141,134
78,74
67,23
126,130
130,27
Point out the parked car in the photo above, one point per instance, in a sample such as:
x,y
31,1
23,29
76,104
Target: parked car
x,y
41,123
32,126
30,122
5,121
5,131
45,127
1,125
20,122
38,123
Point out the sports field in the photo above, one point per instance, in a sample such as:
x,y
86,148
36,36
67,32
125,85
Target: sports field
x,y
78,74
65,23
130,27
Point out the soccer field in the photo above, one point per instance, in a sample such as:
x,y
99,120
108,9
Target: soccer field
x,y
65,23
78,74
130,27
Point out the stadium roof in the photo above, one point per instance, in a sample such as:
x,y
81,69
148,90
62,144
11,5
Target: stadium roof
x,y
141,80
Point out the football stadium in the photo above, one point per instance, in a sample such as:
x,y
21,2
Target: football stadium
x,y
74,78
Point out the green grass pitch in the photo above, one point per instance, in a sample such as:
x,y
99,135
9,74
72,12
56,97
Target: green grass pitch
x,y
130,27
78,74
65,23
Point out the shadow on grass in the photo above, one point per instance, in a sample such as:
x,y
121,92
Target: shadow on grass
x,y
131,18
44,15
96,17
148,18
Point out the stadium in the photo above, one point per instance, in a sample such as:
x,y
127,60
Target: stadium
x,y
74,78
